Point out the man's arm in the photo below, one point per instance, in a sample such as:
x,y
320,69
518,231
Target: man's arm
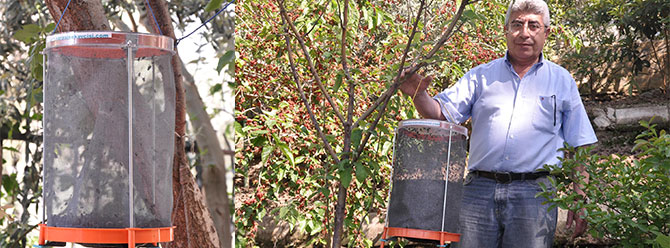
x,y
415,86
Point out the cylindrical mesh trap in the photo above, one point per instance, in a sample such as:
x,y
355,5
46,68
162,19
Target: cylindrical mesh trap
x,y
109,118
428,162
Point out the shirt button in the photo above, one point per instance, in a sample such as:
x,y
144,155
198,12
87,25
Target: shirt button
x,y
511,136
506,157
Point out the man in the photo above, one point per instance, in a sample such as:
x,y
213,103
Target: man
x,y
523,109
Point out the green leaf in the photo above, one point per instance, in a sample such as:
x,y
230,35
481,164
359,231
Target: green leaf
x,y
36,72
361,172
10,184
38,95
215,88
36,116
282,212
316,226
344,171
28,34
213,5
258,132
262,213
265,154
227,59
356,136
662,240
469,15
301,223
238,129
283,147
49,28
378,18
338,82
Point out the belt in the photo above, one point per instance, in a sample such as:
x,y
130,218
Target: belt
x,y
506,177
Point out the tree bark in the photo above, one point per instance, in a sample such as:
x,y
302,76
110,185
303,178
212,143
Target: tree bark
x,y
192,218
80,15
214,173
214,163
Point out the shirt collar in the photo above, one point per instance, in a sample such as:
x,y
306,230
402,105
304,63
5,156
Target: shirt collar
x,y
538,64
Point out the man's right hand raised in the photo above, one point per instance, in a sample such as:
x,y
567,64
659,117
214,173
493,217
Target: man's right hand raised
x,y
415,84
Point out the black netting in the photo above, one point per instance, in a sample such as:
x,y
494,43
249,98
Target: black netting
x,y
86,151
419,171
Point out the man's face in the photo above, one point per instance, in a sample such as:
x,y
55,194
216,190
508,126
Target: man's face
x,y
525,35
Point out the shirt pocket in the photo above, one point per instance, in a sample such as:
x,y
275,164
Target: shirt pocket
x,y
546,114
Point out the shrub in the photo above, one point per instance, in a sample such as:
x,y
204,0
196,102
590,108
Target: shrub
x,y
626,198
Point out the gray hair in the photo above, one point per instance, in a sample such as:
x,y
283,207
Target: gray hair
x,y
533,6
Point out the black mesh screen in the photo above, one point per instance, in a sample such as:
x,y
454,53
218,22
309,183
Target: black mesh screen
x,y
86,141
420,170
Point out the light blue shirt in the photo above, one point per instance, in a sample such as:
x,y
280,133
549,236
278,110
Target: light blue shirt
x,y
518,124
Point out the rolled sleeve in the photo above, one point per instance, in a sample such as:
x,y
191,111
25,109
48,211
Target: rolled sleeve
x,y
456,101
577,129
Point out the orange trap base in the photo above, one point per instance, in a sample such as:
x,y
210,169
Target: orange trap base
x,y
419,234
130,236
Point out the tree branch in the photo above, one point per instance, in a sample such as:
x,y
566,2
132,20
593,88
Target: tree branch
x,y
393,88
413,69
342,190
294,72
315,24
195,227
447,33
315,74
343,52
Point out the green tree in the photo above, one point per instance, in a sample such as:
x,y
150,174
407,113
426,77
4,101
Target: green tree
x,y
315,105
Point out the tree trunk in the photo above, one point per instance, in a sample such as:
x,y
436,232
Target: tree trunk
x,y
194,222
80,15
194,227
214,173
339,216
629,116
214,163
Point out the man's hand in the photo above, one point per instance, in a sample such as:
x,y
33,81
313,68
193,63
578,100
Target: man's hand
x,y
415,84
580,223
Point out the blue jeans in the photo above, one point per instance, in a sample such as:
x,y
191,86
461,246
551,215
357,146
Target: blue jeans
x,y
505,214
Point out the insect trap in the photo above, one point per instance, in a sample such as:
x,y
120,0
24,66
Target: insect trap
x,y
109,119
428,168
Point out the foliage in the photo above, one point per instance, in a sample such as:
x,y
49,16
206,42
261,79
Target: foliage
x,y
616,40
283,169
628,198
21,114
